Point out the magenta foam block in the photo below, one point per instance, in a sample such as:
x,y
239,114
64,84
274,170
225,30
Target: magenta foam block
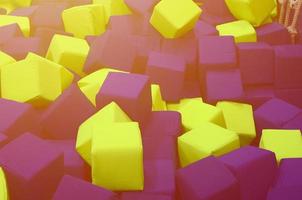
x,y
77,189
63,117
274,34
288,67
256,71
8,32
24,11
292,193
295,123
216,53
204,29
255,170
132,92
126,24
33,167
16,118
292,96
216,8
141,7
3,140
144,196
223,85
258,95
169,72
207,179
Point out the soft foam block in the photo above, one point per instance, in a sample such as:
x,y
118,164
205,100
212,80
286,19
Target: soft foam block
x,y
23,22
3,185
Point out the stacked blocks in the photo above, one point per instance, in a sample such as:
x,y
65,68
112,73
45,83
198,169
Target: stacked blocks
x,y
166,19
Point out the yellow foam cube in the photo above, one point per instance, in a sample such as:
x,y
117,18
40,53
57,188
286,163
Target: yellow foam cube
x,y
117,157
23,22
85,20
3,186
182,102
68,51
110,114
91,84
205,140
240,119
174,18
114,7
284,143
193,113
253,11
158,104
242,31
5,59
26,81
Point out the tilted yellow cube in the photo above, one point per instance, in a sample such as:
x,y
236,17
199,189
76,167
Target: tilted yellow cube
x,y
117,157
253,11
158,104
284,143
68,51
242,31
85,20
205,140
110,114
23,22
181,103
174,18
3,186
240,119
114,7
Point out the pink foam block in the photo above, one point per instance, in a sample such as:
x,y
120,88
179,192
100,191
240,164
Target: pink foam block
x,y
24,11
8,32
63,117
292,193
274,34
132,92
77,189
295,123
292,96
141,7
33,167
169,72
144,196
258,95
126,24
203,29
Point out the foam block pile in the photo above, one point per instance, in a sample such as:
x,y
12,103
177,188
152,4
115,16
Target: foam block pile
x,y
149,100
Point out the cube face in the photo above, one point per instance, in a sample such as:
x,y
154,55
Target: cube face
x,y
23,23
116,164
273,34
242,31
218,141
166,12
289,174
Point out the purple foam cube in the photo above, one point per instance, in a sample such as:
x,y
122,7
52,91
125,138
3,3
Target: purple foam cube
x,y
223,85
63,117
144,196
255,170
77,189
287,193
256,63
258,95
8,32
295,123
207,179
216,8
169,72
33,167
203,29
292,96
274,34
290,174
215,19
216,53
288,68
132,92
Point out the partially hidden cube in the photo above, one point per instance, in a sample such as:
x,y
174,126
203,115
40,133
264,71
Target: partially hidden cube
x,y
23,22
117,157
205,140
3,186
167,20
240,119
284,143
289,173
242,31
273,34
253,11
68,51
158,104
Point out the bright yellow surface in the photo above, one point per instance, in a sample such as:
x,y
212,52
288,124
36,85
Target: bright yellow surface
x,y
110,114
284,143
253,11
194,112
117,157
242,31
23,23
205,140
240,119
5,59
177,106
3,186
158,104
174,18
68,51
114,7
85,20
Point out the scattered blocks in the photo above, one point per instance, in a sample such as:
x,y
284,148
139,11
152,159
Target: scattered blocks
x,y
166,19
242,31
255,170
117,157
215,141
85,20
23,23
207,179
284,143
252,11
69,52
239,118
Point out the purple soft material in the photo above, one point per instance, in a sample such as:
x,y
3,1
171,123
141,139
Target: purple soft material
x,y
9,31
287,193
207,179
202,29
258,95
292,96
274,34
295,123
254,168
144,196
290,174
256,63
